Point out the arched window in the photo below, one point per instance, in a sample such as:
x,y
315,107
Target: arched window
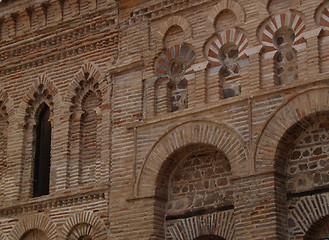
x,y
42,153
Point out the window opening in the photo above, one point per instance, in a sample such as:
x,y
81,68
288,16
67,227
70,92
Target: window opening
x,y
42,154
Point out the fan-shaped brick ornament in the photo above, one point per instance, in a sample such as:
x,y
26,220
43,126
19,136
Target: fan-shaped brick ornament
x,y
181,51
292,20
324,20
216,42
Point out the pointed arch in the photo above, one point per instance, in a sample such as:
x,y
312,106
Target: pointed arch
x,y
297,108
42,92
87,71
89,84
84,223
42,85
34,221
172,21
232,5
219,135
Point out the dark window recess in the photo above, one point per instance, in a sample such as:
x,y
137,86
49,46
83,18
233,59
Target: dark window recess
x,y
42,154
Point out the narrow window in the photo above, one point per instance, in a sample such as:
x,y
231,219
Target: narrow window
x,y
42,154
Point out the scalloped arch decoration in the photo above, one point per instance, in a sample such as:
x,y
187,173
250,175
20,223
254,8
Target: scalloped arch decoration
x,y
218,135
307,211
39,221
216,42
292,20
178,51
93,72
82,223
232,5
47,85
218,224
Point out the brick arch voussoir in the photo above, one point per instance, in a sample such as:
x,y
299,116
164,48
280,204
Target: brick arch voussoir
x,y
307,211
98,229
291,112
220,136
52,90
232,5
179,21
35,221
217,224
94,72
267,29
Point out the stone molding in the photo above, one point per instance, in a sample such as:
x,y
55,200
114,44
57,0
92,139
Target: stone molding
x,y
205,132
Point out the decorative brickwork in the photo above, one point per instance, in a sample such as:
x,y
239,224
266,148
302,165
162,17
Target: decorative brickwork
x,y
231,5
217,224
169,119
44,225
293,111
219,136
42,93
172,67
225,51
84,224
307,211
291,20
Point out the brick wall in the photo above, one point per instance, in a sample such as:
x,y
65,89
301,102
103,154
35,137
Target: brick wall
x,y
170,119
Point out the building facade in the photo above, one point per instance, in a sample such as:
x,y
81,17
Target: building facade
x,y
164,119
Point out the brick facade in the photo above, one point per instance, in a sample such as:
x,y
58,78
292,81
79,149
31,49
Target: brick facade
x,y
170,119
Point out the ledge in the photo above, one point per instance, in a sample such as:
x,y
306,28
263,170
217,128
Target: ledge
x,y
204,107
56,200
